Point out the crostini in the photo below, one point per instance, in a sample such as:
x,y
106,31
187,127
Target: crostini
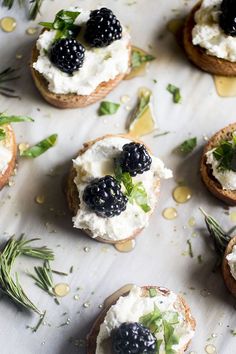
x,y
218,165
139,318
8,150
113,188
210,36
229,266
80,57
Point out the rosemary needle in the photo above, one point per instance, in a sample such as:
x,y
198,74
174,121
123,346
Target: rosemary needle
x,y
7,75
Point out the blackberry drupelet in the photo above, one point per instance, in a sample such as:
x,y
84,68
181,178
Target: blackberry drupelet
x,y
104,197
228,17
133,338
135,159
102,28
67,55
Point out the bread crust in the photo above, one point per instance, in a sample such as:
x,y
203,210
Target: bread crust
x,y
92,336
11,143
229,280
71,100
72,193
198,55
227,196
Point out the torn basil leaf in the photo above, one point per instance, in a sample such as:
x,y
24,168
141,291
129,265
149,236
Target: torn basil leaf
x,y
108,108
175,91
5,119
188,145
138,58
225,154
2,134
40,148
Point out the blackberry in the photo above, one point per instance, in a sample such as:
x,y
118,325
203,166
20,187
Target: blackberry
x,y
135,159
67,55
133,338
104,197
102,28
228,17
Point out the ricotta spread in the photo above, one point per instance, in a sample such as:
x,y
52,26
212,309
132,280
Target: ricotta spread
x,y
97,162
5,155
231,258
133,306
100,64
208,34
226,178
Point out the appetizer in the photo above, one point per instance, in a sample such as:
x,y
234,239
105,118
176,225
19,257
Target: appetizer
x,y
80,57
113,187
210,36
142,320
8,150
218,165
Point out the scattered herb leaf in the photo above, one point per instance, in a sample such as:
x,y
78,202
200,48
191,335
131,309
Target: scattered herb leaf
x,y
161,134
188,146
225,154
138,58
40,148
2,134
5,119
41,319
108,108
43,278
175,91
190,248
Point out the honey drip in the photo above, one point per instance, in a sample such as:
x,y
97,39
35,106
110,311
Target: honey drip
x,y
225,86
61,289
8,24
233,216
140,70
170,213
182,194
210,349
126,246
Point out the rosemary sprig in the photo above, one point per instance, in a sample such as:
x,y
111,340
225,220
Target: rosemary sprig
x,y
43,278
219,236
11,286
34,9
7,75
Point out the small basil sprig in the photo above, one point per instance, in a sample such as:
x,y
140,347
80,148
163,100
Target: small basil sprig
x,y
108,108
40,148
138,58
134,191
188,146
63,24
225,154
2,134
5,119
175,91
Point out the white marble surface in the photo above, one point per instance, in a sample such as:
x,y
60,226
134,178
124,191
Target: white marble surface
x,y
158,258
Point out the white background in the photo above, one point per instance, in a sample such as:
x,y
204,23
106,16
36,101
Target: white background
x,y
157,258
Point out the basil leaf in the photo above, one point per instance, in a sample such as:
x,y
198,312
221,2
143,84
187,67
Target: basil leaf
x,y
2,134
4,119
108,108
40,148
63,24
188,145
225,153
169,337
138,58
152,292
175,91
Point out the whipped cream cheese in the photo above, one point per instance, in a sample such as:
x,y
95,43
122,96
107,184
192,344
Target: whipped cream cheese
x,y
226,178
133,306
100,64
231,258
208,34
5,154
97,162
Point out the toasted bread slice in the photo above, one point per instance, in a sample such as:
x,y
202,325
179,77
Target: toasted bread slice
x,y
227,196
92,336
71,100
230,282
10,143
198,55
72,192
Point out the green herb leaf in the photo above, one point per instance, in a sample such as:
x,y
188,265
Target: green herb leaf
x,y
134,191
2,134
63,24
5,119
225,154
190,248
43,278
152,292
175,91
169,337
188,146
108,108
138,58
40,148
